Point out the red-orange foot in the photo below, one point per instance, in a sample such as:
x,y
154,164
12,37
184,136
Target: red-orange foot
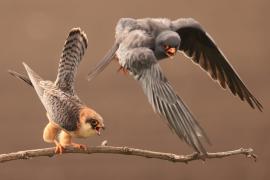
x,y
59,149
79,146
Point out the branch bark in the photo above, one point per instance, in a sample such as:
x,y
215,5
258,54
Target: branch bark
x,y
28,154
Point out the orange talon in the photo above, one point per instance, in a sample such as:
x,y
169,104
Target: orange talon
x,y
59,149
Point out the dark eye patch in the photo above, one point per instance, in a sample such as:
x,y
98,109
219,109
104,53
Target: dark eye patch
x,y
92,122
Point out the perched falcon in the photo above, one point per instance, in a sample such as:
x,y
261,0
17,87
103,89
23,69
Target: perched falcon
x,y
66,112
141,43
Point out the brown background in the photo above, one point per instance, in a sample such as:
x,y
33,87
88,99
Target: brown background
x,y
34,32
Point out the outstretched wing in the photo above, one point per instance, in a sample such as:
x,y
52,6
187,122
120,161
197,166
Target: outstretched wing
x,y
72,54
201,48
143,64
61,108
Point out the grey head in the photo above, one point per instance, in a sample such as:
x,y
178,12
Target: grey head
x,y
166,44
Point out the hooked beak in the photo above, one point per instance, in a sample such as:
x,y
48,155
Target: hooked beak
x,y
98,130
171,51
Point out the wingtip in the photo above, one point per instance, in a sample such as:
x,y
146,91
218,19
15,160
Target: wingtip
x,y
259,106
78,30
25,65
255,103
10,71
88,78
103,63
27,68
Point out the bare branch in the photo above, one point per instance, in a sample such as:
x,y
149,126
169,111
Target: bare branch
x,y
28,154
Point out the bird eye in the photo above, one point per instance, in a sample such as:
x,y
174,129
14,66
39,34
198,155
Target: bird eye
x,y
166,47
94,123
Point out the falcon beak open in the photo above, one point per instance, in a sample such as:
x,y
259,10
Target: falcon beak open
x,y
98,129
171,51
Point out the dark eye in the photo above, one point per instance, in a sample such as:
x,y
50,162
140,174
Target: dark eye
x,y
93,122
166,47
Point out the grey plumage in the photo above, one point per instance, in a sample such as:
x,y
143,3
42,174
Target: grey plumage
x,y
201,48
141,44
72,54
59,97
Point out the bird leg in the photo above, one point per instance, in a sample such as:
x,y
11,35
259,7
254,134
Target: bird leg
x,y
58,147
49,136
65,140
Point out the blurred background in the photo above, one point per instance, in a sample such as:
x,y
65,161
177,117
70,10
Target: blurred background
x,y
34,32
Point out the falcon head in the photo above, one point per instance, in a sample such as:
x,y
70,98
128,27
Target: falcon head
x,y
167,44
96,124
90,122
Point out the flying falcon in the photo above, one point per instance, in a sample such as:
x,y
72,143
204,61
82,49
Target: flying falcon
x,y
141,43
67,114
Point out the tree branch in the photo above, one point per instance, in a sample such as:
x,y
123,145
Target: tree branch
x,y
28,154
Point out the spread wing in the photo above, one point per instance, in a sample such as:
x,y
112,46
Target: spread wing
x,y
72,54
201,48
143,64
62,108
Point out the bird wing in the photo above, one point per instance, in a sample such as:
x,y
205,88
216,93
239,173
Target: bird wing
x,y
35,80
62,108
103,63
73,51
201,48
40,86
143,65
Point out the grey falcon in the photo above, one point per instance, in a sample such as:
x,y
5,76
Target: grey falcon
x,y
141,43
67,114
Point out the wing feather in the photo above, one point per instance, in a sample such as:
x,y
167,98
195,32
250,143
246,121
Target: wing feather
x,y
73,51
201,48
143,65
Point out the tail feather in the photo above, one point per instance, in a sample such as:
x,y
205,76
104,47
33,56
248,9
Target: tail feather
x,y
103,63
35,79
21,77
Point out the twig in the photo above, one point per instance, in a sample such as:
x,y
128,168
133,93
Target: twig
x,y
28,154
